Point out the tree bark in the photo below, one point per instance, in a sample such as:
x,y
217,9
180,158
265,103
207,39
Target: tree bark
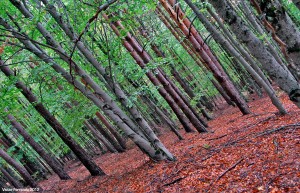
x,y
192,52
67,28
160,54
106,134
142,58
284,28
120,139
100,137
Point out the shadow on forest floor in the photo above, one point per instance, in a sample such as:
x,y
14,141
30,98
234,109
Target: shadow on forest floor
x,y
259,152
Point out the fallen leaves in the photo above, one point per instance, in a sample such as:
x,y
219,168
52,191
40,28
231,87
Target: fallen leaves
x,y
253,153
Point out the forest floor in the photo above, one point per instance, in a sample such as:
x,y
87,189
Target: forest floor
x,y
259,152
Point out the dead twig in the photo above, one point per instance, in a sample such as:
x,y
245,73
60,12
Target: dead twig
x,y
230,168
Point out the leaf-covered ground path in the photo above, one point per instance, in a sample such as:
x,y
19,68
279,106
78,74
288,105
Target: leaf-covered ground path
x,y
259,152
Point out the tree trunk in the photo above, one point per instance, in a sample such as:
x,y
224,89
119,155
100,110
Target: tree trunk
x,y
120,139
142,58
100,137
191,52
112,84
106,134
159,53
284,28
189,91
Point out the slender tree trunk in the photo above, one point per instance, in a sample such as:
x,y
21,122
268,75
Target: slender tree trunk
x,y
100,137
166,119
159,53
142,58
112,130
113,85
189,91
191,52
106,134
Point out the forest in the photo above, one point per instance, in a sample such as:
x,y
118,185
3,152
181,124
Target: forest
x,y
149,96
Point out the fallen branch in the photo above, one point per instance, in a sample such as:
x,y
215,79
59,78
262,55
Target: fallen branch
x,y
232,167
173,182
297,125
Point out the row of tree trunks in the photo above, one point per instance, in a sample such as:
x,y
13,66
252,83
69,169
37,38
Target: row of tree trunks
x,y
22,171
166,118
51,161
217,36
204,52
111,83
192,52
112,131
143,58
13,181
98,96
163,116
183,120
134,84
106,134
33,166
54,123
100,137
159,53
